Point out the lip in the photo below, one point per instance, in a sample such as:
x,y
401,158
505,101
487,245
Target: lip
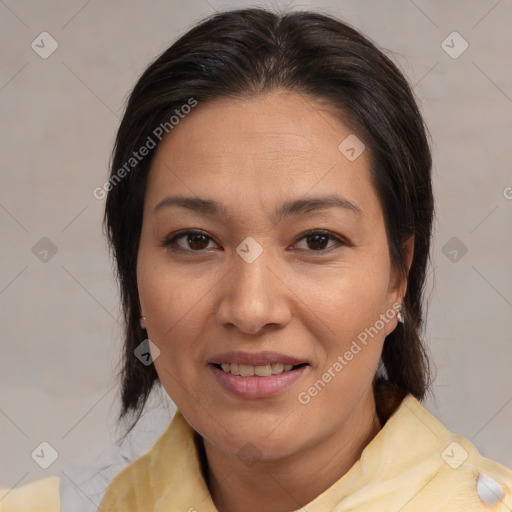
x,y
256,387
255,359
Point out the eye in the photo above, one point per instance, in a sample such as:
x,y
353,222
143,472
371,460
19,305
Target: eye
x,y
195,241
317,240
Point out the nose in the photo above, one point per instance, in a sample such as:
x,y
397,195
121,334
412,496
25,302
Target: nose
x,y
254,296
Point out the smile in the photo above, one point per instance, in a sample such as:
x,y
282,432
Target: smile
x,y
247,370
256,382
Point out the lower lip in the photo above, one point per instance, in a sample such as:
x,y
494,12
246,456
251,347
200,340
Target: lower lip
x,y
256,387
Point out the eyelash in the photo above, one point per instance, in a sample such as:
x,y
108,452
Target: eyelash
x,y
171,240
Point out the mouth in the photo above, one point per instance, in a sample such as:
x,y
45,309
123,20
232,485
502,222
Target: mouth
x,y
270,374
251,375
266,370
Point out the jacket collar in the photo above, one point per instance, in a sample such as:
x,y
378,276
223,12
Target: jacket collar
x,y
412,446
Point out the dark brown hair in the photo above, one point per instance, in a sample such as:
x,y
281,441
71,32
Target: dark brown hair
x,y
245,52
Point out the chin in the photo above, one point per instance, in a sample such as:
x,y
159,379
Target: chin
x,y
255,449
249,441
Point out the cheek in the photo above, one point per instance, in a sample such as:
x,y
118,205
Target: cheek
x,y
351,317
167,305
175,316
176,319
169,298
349,326
177,305
348,299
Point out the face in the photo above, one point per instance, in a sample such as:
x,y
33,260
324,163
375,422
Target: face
x,y
276,262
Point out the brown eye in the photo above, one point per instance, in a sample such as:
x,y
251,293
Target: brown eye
x,y
195,241
317,241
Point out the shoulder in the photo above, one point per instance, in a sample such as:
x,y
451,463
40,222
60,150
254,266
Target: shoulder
x,y
489,481
159,472
466,480
38,495
130,489
460,477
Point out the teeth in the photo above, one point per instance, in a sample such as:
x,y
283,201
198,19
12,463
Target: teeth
x,y
247,370
277,368
263,371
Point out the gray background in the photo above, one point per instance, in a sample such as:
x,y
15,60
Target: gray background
x,y
60,338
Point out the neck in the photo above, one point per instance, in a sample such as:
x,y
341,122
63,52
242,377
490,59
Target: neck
x,y
281,485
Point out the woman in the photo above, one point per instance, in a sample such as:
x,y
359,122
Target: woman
x,y
270,210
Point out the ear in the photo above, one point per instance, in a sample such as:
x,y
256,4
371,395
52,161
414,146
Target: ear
x,y
409,252
398,287
400,282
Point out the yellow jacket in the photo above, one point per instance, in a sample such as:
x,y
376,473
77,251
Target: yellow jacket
x,y
39,496
414,464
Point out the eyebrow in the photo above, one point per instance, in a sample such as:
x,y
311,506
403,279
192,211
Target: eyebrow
x,y
288,209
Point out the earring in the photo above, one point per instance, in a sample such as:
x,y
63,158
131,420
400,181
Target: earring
x,y
143,322
400,315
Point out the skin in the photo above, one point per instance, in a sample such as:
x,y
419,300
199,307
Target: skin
x,y
202,298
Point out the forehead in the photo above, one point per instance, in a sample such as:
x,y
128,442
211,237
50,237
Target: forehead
x,y
269,147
